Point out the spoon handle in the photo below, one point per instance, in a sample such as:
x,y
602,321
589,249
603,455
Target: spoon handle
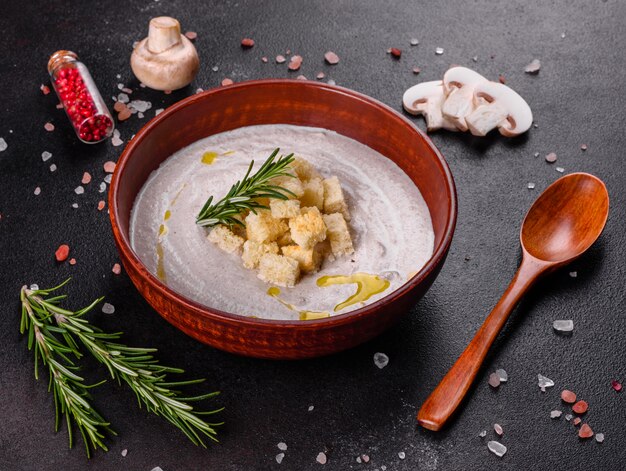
x,y
447,396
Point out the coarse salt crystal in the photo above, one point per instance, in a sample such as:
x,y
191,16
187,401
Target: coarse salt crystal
x,y
75,205
116,140
381,360
439,51
311,408
158,468
331,82
108,178
48,127
414,42
37,191
494,380
533,67
34,287
79,190
109,167
140,105
282,446
498,429
279,457
599,437
280,59
45,155
401,455
502,374
124,452
117,269
365,458
560,169
530,185
496,448
555,414
158,112
123,97
53,168
544,382
568,417
264,59
86,178
331,58
573,274
321,458
108,308
215,68
226,82
103,187
483,434
101,205
563,325
551,157
191,35
358,459
3,144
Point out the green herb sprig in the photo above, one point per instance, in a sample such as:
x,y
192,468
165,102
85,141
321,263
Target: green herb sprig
x,y
56,333
243,195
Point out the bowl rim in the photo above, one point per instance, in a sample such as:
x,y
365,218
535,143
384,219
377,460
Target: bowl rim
x,y
127,252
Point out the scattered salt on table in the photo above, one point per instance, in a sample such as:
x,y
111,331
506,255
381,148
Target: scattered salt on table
x,y
498,429
563,325
401,455
494,380
45,155
483,434
3,144
544,382
555,414
79,190
496,448
321,458
108,308
279,457
599,437
37,191
282,446
502,374
381,360
439,51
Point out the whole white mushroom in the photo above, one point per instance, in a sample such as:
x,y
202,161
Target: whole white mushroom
x,y
165,60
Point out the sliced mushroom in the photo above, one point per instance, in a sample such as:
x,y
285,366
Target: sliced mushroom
x,y
458,85
426,98
165,60
498,106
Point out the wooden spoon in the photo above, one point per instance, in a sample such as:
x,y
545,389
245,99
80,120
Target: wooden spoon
x,y
563,222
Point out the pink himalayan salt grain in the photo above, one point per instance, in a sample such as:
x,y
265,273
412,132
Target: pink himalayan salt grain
x,y
568,396
416,70
59,106
280,59
101,205
585,431
616,385
48,127
264,59
331,58
247,42
86,178
301,77
191,35
109,167
580,407
583,147
577,421
320,75
117,269
167,92
62,253
72,261
227,82
44,89
295,62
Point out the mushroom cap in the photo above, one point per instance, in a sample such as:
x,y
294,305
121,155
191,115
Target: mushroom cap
x,y
420,93
171,69
520,116
459,77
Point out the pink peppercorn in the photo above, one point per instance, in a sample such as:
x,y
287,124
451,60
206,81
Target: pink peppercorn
x,y
80,97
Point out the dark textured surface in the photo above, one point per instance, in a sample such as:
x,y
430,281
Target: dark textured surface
x,y
576,98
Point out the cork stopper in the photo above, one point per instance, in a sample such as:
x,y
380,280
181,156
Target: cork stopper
x,y
59,58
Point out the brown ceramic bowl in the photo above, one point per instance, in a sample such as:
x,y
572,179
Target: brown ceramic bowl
x,y
288,102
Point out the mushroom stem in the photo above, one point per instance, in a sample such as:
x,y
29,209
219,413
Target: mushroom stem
x,y
486,117
163,33
458,105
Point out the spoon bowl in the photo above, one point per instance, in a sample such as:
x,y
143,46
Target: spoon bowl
x,y
562,223
566,219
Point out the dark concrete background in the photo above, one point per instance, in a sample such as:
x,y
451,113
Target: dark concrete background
x,y
578,97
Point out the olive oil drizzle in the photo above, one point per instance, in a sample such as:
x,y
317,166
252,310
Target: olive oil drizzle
x,y
274,292
209,157
367,286
161,275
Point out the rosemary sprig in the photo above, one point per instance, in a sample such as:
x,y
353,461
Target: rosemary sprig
x,y
71,394
243,195
134,366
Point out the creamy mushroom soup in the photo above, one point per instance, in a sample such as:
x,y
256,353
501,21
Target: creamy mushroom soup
x,y
390,225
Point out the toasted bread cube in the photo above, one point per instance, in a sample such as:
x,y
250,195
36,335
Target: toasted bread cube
x,y
313,193
263,227
304,170
278,270
334,201
253,251
338,234
284,208
308,228
225,239
292,184
309,260
285,239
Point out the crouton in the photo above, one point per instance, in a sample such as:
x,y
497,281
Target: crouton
x,y
334,201
224,238
285,239
309,260
313,193
338,234
292,184
308,228
278,270
304,170
262,227
253,251
285,208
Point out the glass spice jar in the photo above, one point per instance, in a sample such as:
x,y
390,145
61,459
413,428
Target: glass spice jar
x,y
80,97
